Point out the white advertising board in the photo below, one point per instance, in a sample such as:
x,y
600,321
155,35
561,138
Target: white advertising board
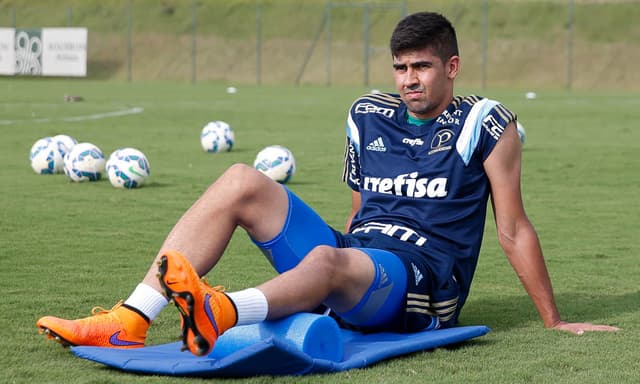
x,y
7,51
43,52
64,52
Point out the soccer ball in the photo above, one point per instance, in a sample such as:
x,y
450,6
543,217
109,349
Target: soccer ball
x,y
217,136
65,144
277,162
45,157
85,162
128,168
521,132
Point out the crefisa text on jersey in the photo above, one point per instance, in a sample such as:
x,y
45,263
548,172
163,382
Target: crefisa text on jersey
x,y
408,184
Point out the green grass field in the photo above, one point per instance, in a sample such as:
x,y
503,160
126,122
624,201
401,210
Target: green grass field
x,y
66,247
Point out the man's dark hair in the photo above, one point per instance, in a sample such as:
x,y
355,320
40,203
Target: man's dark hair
x,y
425,30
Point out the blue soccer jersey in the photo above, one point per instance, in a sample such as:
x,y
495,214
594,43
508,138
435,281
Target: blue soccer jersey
x,y
425,184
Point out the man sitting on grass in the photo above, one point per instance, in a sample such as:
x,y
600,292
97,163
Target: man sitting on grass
x,y
421,166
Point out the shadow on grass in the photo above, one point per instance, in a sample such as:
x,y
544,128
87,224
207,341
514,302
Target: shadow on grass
x,y
157,184
510,312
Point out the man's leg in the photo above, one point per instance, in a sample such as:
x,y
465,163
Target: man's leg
x,y
336,277
242,197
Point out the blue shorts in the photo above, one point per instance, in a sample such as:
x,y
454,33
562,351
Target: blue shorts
x,y
389,302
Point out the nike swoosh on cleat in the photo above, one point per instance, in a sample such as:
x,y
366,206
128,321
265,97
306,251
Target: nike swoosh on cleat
x,y
115,340
209,312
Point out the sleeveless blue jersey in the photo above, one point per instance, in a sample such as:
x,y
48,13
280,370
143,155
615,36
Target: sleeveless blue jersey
x,y
425,184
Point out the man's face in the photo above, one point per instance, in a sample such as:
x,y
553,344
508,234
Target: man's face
x,y
424,82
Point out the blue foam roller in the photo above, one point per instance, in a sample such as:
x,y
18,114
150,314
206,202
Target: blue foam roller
x,y
316,336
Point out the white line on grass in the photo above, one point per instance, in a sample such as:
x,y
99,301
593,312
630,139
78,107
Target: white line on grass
x,y
95,116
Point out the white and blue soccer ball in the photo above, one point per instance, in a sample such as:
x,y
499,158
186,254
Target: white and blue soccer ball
x,y
45,158
65,144
85,162
217,136
277,162
128,168
521,132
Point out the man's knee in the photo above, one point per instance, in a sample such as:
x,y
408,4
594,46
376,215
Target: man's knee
x,y
241,173
240,179
342,267
324,259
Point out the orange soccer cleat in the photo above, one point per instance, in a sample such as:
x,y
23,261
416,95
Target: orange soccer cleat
x,y
119,327
206,311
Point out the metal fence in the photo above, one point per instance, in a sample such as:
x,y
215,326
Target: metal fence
x,y
522,43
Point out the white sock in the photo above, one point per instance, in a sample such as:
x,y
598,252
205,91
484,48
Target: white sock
x,y
251,305
147,300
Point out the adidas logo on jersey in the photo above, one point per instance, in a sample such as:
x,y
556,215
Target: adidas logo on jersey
x,y
377,145
416,273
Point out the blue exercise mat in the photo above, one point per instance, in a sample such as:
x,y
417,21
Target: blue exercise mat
x,y
297,345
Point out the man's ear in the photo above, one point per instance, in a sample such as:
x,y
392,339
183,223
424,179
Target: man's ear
x,y
453,66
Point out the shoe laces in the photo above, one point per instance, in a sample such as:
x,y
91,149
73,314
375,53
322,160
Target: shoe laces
x,y
219,288
97,310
